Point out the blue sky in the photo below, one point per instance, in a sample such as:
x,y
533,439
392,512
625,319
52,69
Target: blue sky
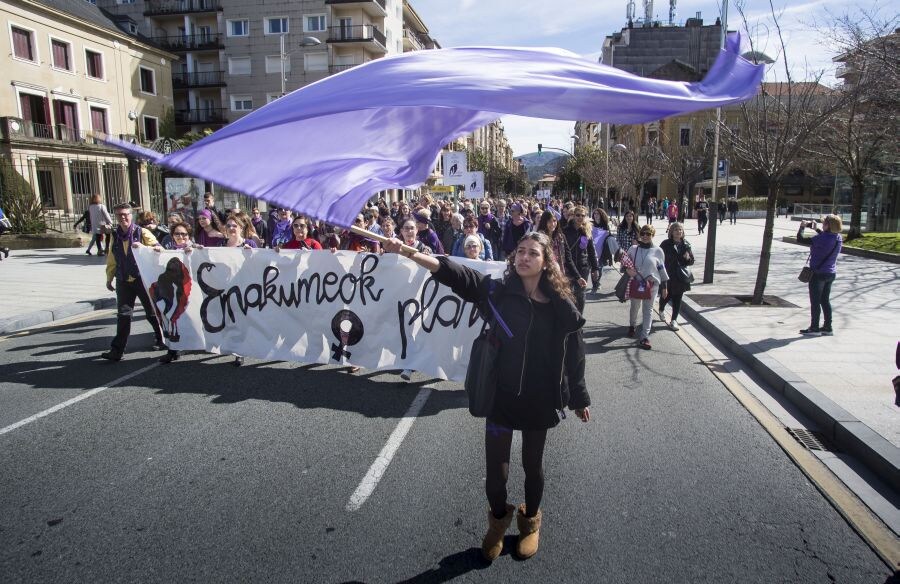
x,y
581,25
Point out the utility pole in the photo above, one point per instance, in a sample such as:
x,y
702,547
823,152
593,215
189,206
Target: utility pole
x,y
710,262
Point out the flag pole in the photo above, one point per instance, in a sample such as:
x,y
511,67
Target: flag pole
x,y
380,238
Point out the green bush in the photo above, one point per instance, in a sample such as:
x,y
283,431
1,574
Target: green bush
x,y
18,201
752,203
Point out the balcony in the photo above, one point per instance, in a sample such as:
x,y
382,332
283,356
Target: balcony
x,y
198,79
364,34
411,41
190,42
200,116
175,7
374,8
18,129
338,68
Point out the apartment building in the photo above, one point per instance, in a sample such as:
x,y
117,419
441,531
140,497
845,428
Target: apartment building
x,y
71,71
238,55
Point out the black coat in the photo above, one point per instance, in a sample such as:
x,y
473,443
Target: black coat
x,y
585,258
566,345
674,262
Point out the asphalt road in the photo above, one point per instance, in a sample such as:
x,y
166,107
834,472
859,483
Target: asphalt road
x,y
201,472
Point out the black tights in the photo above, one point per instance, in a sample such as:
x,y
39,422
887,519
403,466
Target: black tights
x,y
497,446
675,299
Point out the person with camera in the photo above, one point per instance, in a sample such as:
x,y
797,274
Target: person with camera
x,y
825,247
540,370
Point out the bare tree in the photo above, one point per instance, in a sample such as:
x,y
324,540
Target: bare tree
x,y
859,137
637,163
774,128
686,163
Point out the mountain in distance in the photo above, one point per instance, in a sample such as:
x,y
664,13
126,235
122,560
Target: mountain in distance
x,y
539,164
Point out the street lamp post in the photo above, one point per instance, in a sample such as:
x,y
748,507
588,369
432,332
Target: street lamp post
x,y
612,54
308,41
710,261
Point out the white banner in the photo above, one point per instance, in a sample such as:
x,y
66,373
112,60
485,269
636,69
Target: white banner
x,y
474,184
454,164
377,312
543,194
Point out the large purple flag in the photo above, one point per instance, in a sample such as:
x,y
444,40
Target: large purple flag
x,y
326,148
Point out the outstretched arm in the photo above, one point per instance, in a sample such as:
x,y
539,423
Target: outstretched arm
x,y
394,245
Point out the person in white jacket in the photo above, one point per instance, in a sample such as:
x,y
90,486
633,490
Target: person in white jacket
x,y
648,276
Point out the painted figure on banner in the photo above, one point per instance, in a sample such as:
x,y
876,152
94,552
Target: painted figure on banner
x,y
170,295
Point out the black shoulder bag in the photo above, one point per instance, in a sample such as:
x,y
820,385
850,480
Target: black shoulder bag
x,y
482,374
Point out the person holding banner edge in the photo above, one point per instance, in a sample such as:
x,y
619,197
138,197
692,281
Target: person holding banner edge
x,y
536,384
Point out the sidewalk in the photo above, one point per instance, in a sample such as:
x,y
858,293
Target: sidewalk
x,y
38,286
851,370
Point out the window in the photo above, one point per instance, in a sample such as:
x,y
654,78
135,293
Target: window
x,y
684,138
237,28
239,65
273,64
278,25
151,128
316,62
653,137
241,103
23,44
62,54
93,64
270,97
148,80
66,114
98,120
314,23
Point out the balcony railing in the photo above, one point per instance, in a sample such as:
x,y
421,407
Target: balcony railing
x,y
16,128
413,39
357,33
201,116
380,3
190,42
198,79
338,68
162,7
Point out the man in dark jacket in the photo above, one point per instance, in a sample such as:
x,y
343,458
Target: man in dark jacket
x,y
516,226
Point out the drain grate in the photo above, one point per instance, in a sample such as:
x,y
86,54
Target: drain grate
x,y
810,440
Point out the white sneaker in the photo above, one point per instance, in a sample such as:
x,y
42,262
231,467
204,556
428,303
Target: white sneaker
x,y
674,325
406,374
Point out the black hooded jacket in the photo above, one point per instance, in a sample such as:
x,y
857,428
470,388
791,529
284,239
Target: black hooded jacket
x,y
566,345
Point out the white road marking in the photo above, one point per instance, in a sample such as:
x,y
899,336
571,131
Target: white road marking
x,y
376,471
75,400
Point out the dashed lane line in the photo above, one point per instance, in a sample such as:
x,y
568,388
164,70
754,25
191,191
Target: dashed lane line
x,y
75,400
376,471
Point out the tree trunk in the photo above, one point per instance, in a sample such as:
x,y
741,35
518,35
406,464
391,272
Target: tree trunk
x,y
765,253
856,210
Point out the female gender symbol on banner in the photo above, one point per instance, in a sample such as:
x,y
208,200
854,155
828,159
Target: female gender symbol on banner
x,y
348,329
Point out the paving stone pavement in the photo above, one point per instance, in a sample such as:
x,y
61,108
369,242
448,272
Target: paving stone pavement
x,y
853,368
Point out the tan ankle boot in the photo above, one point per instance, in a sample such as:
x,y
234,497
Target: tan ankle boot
x,y
529,533
492,544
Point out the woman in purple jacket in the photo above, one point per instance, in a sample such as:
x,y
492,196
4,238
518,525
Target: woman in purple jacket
x,y
824,250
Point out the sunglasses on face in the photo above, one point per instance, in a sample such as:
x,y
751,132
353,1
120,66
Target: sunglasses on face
x,y
180,234
123,214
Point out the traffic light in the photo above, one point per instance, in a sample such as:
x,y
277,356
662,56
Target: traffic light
x,y
581,187
539,148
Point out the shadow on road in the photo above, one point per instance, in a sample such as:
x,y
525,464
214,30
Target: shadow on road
x,y
452,567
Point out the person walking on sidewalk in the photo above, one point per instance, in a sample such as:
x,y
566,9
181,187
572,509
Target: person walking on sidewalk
x,y
121,267
679,256
100,225
534,300
702,208
5,225
733,208
650,271
824,250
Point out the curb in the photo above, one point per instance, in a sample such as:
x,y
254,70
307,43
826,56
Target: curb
x,y
837,424
25,321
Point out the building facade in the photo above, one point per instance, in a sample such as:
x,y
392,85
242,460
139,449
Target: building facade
x,y
72,73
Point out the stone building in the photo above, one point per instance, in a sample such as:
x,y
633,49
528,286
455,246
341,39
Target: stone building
x,y
72,72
